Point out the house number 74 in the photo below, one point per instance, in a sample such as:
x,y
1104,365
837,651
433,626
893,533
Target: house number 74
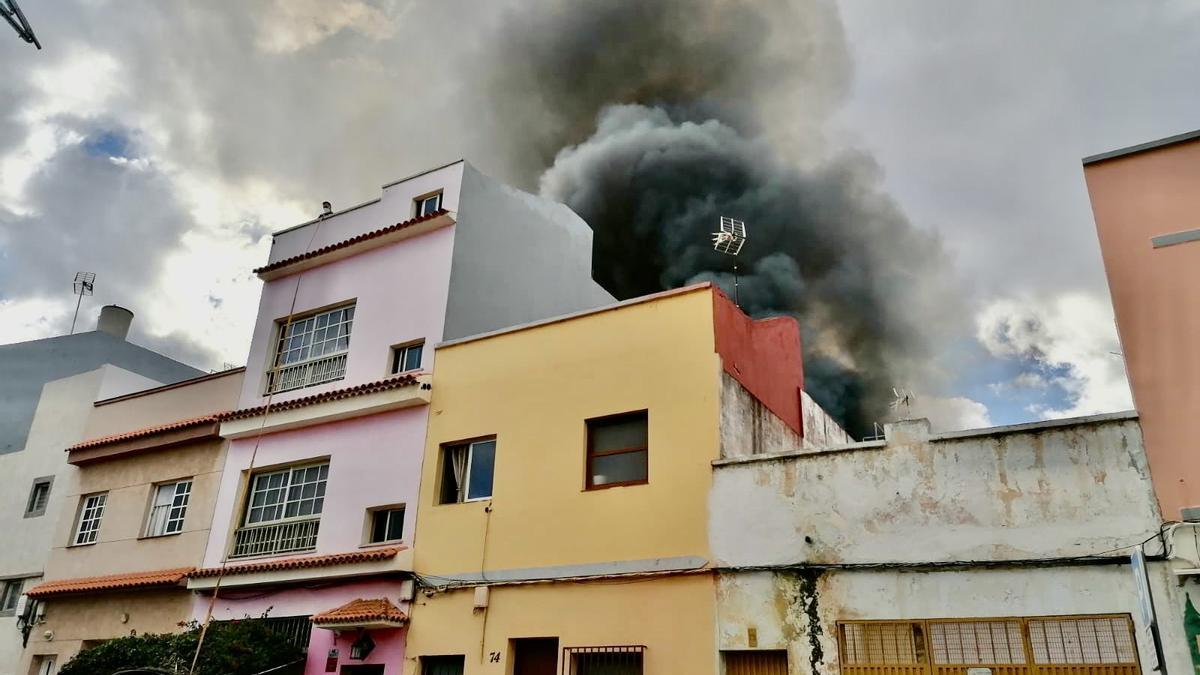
x,y
493,657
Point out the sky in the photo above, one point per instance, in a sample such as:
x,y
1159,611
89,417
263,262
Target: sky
x,y
158,145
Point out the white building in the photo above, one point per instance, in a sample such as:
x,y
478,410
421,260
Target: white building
x,y
47,388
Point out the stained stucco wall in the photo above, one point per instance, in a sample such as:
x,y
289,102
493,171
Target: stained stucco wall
x,y
1064,488
183,400
517,258
798,611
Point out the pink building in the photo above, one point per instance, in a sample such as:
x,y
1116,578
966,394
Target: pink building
x,y
317,502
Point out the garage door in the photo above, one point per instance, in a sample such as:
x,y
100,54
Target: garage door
x,y
757,662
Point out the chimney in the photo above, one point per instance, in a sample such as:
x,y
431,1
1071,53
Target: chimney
x,y
115,321
326,209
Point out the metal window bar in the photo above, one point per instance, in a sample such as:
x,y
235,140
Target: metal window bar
x,y
300,375
604,660
275,538
297,629
1086,640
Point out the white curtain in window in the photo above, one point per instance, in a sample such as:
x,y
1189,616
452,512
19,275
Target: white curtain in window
x,y
458,462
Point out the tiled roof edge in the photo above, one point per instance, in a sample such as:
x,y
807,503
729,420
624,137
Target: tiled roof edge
x,y
146,431
395,382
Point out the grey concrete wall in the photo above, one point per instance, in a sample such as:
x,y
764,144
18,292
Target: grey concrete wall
x,y
1063,488
749,428
26,366
517,258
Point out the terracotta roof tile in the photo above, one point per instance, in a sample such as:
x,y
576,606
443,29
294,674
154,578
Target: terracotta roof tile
x,y
112,582
394,382
147,431
369,555
309,255
360,611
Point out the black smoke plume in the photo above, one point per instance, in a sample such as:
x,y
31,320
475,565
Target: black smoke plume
x,y
653,118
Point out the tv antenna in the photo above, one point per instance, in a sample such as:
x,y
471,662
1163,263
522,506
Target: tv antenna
x,y
903,398
729,240
11,11
85,284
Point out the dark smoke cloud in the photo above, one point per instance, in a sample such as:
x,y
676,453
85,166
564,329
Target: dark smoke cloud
x,y
664,116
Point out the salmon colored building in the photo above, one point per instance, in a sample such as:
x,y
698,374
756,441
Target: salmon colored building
x,y
1146,202
563,522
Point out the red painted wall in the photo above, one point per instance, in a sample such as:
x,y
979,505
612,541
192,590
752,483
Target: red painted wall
x,y
764,355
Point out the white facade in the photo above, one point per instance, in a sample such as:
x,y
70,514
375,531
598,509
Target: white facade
x,y
1026,521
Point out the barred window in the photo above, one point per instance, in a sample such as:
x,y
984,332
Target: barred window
x,y
290,493
882,642
622,660
993,642
1082,640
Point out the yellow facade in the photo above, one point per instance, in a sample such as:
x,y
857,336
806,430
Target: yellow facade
x,y
533,389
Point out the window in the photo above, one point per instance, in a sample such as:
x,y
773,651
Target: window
x,y
387,524
168,508
289,493
89,519
756,662
39,497
618,450
428,204
604,660
10,595
407,357
311,350
467,471
44,665
443,665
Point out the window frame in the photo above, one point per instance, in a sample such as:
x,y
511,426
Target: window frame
x,y
444,449
290,469
5,585
590,453
40,481
97,516
369,528
399,352
419,202
278,339
187,500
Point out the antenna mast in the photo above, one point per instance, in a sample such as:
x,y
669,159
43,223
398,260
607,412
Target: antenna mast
x,y
11,11
729,240
85,284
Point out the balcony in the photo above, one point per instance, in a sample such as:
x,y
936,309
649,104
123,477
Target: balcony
x,y
306,374
292,536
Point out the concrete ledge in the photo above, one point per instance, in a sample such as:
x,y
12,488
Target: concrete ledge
x,y
416,394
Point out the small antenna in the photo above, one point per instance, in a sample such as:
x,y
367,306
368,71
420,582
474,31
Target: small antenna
x,y
85,284
903,398
729,240
11,11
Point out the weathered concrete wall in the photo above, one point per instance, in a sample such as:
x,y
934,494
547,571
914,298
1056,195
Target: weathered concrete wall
x,y
1062,488
748,427
798,611
208,394
820,430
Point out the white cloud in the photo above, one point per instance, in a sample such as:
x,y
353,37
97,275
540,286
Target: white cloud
x,y
1071,339
291,25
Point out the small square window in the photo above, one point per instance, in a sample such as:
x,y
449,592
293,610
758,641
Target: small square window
x,y
617,450
10,595
407,358
428,204
39,497
387,524
467,471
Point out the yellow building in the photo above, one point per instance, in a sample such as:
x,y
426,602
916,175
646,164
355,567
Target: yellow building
x,y
563,517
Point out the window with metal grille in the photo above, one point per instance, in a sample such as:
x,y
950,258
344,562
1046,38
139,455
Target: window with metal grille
x,y
168,509
1088,640
443,665
756,662
39,497
288,493
297,629
90,515
311,350
618,450
992,642
882,643
617,660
